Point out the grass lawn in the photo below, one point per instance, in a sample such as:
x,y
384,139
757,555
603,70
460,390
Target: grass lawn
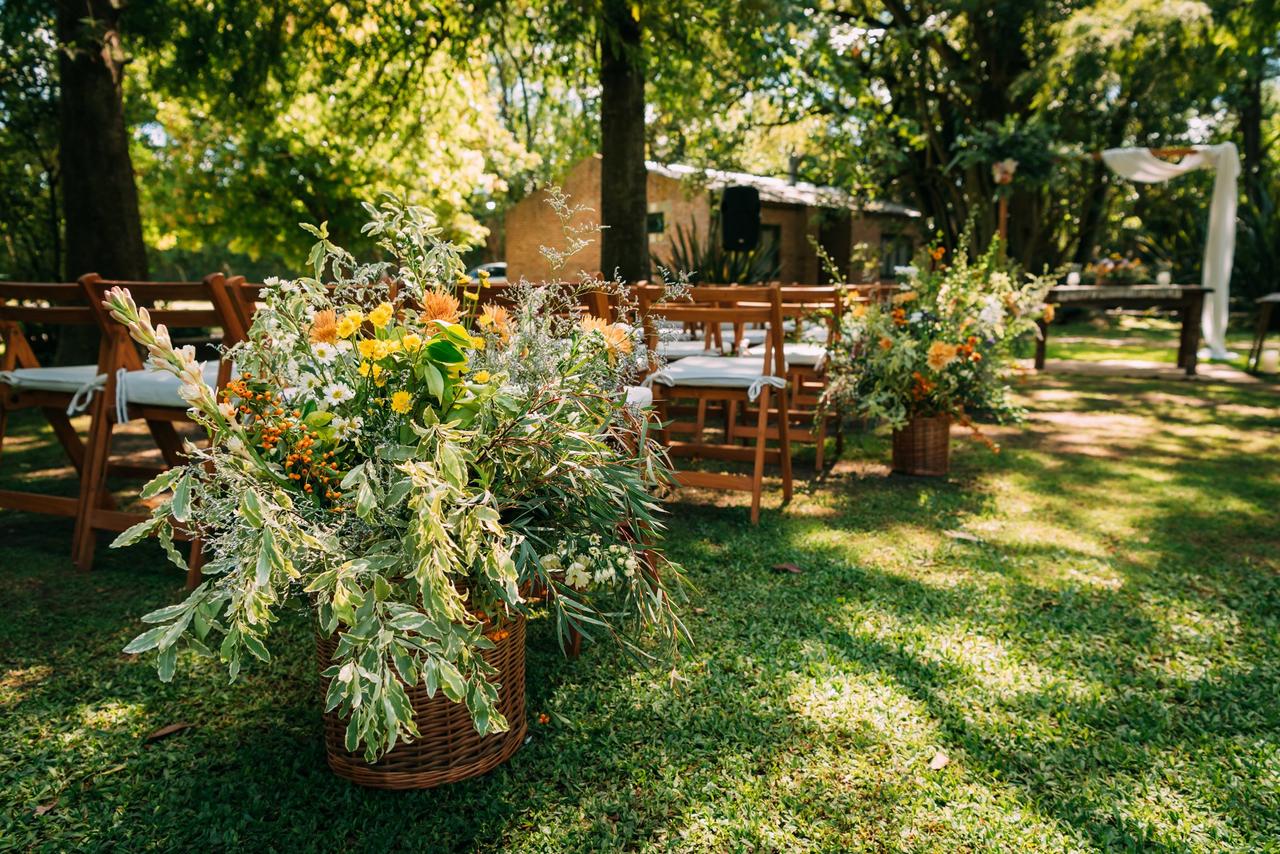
x,y
1095,336
1072,645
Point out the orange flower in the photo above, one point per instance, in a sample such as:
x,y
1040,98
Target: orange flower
x,y
497,319
324,327
615,337
900,316
937,253
1048,313
439,306
941,354
904,297
886,343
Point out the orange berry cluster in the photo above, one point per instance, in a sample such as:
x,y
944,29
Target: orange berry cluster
x,y
279,430
969,349
922,385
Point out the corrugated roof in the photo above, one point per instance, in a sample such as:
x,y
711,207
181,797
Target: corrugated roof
x,y
780,190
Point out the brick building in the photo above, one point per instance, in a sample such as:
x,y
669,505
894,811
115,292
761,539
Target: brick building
x,y
682,195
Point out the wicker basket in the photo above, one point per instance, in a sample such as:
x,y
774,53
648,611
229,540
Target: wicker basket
x,y
923,447
448,748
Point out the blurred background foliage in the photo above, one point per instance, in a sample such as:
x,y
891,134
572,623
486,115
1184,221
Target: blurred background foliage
x,y
245,119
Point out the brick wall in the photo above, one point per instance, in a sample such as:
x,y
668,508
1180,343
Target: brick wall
x,y
531,223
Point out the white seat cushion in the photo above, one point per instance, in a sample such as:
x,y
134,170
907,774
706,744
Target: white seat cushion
x,y
805,354
157,388
674,350
742,372
751,336
816,333
640,397
69,379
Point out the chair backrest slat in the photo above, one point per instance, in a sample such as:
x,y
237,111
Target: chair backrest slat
x,y
57,303
714,305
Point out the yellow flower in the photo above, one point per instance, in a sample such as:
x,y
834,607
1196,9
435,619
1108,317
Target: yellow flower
x,y
859,310
401,402
369,348
496,319
1048,313
481,377
411,342
349,324
390,346
904,297
369,369
382,315
477,342
941,354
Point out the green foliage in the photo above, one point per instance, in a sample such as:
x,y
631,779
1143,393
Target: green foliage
x,y
941,346
408,471
707,262
30,203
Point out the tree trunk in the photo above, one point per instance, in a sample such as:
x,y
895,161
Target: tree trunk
x,y
99,196
1251,137
624,247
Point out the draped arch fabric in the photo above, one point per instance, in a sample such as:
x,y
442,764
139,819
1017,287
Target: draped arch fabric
x,y
1139,164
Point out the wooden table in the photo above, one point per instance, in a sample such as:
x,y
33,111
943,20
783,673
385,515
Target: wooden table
x,y
1187,300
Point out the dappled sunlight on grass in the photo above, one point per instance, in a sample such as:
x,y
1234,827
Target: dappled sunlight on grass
x,y
1086,626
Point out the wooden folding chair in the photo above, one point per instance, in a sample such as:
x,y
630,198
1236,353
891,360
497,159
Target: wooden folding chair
x,y
737,381
131,391
806,361
56,391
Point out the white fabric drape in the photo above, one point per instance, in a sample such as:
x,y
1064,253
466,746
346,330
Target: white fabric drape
x,y
1139,164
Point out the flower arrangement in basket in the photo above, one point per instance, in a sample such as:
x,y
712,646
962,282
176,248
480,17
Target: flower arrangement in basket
x,y
938,350
1117,269
412,464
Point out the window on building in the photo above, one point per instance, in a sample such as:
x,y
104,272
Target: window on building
x,y
896,250
771,243
656,222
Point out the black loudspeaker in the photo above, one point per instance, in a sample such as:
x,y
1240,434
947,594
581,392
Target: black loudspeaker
x,y
740,218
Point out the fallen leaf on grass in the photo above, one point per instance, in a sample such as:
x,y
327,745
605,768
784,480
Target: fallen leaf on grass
x,y
166,731
698,612
45,808
939,761
787,567
963,535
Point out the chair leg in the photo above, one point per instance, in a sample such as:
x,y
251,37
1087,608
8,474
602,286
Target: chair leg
x,y
92,484
784,444
819,457
195,563
762,438
1260,337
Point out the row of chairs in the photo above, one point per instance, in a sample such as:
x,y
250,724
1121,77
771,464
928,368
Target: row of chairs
x,y
763,387
115,389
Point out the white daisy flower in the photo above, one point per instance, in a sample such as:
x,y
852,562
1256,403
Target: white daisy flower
x,y
324,352
345,428
338,393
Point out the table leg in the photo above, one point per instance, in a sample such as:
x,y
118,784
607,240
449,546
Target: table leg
x,y
1041,343
1191,333
1260,337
